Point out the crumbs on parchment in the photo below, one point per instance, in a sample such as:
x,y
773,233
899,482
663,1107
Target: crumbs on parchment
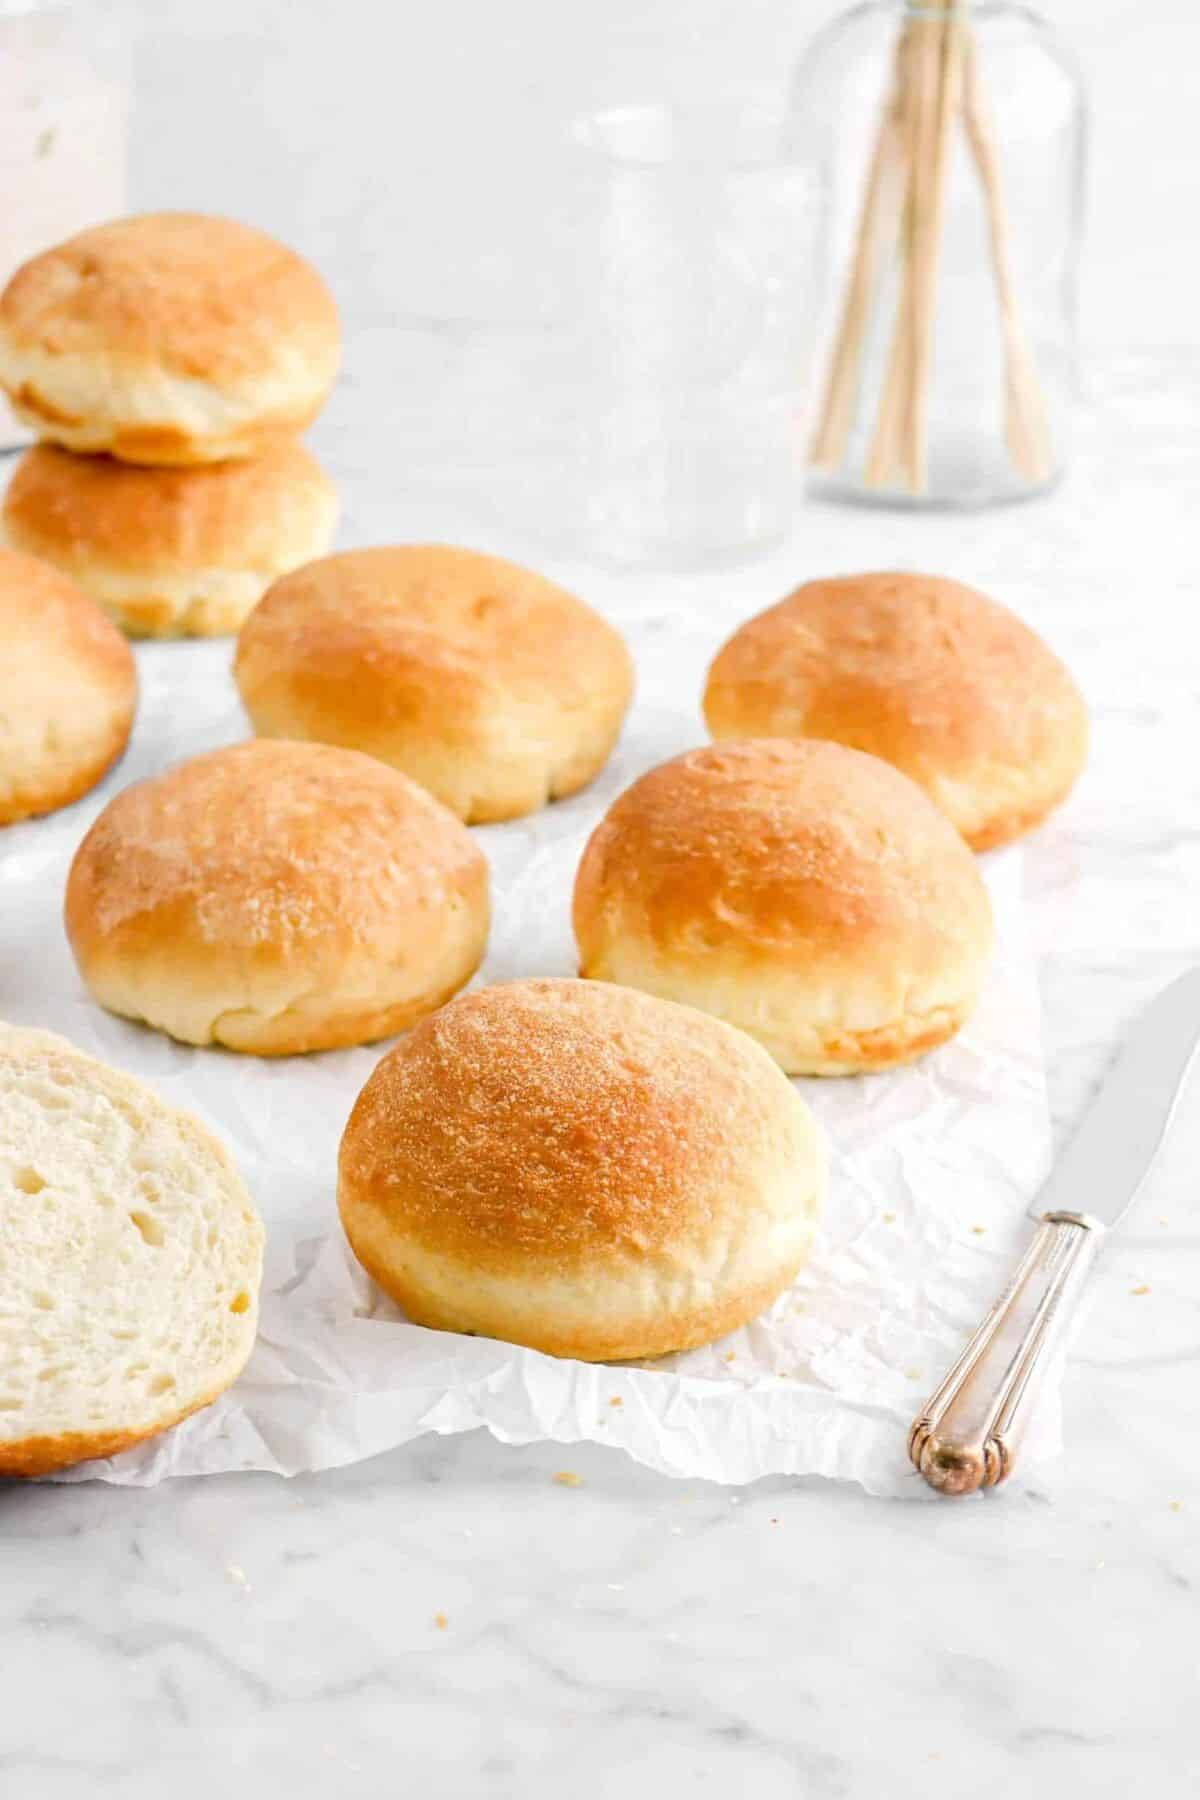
x,y
567,1478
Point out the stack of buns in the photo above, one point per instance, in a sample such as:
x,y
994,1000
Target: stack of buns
x,y
168,364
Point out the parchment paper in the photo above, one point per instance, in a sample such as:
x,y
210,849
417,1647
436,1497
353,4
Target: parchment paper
x,y
932,1167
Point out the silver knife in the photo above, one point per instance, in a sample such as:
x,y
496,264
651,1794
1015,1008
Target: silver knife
x,y
967,1435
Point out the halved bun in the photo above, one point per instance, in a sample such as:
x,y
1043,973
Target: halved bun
x,y
130,1259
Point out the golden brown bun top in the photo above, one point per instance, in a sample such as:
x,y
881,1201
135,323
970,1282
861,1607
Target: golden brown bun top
x,y
774,845
267,845
200,296
49,627
458,615
233,513
920,670
558,1122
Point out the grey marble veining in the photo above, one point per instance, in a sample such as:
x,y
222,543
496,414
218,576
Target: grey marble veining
x,y
613,1638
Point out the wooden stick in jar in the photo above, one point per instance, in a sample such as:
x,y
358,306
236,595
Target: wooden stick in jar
x,y
942,93
1027,431
884,456
875,242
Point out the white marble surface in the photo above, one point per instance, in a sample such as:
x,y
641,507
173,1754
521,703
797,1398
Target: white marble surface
x,y
631,1636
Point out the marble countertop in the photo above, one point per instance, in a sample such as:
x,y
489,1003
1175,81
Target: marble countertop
x,y
451,1619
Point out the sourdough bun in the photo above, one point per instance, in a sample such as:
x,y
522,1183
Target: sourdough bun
x,y
130,1259
68,690
805,892
168,338
926,673
581,1169
171,552
276,898
490,686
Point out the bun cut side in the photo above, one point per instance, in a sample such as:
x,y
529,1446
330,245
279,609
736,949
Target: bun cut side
x,y
130,1260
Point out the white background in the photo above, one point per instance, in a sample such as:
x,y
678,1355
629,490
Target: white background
x,y
387,140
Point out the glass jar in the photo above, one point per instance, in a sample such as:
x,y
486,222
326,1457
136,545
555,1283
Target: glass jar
x,y
64,109
951,141
691,334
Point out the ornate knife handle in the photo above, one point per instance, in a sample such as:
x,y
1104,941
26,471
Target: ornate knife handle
x,y
967,1434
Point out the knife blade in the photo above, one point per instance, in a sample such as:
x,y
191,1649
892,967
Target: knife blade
x,y
967,1435
1106,1163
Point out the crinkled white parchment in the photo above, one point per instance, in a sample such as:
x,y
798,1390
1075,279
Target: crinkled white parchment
x,y
931,1170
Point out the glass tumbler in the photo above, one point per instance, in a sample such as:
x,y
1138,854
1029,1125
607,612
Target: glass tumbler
x,y
64,107
690,333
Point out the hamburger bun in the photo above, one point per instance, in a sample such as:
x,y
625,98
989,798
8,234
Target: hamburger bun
x,y
805,892
277,898
168,338
493,688
930,675
171,552
581,1169
68,690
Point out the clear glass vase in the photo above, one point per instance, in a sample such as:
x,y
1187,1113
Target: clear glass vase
x,y
951,140
691,333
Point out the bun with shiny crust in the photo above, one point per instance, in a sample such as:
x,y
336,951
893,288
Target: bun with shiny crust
x,y
805,892
68,690
171,552
168,338
930,675
277,898
581,1169
490,686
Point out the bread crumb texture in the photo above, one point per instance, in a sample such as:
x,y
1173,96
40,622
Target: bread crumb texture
x,y
130,1259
